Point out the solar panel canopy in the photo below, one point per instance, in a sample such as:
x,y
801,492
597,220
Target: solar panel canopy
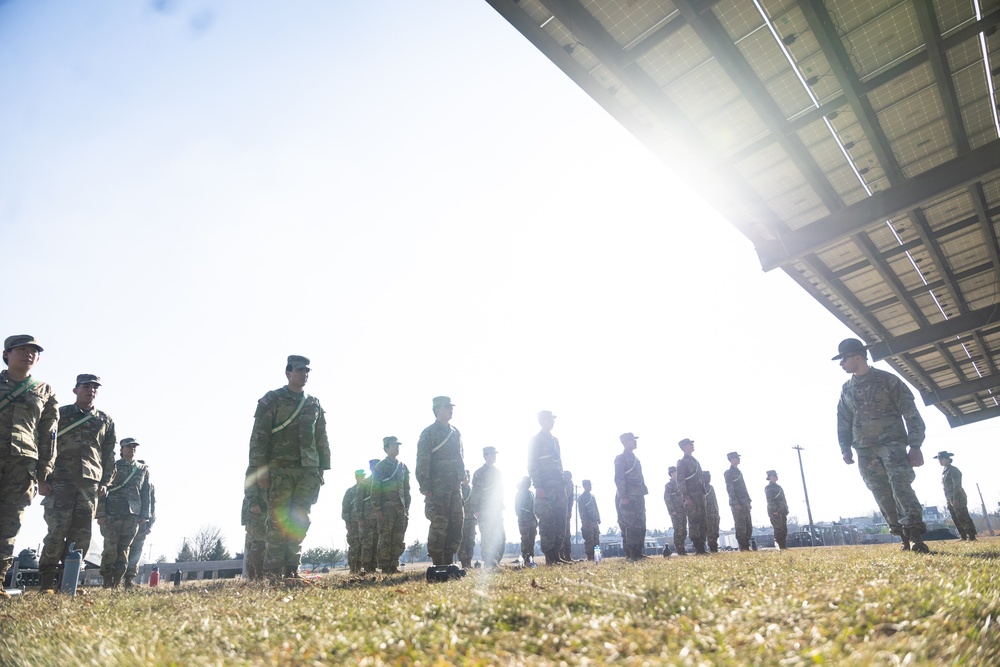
x,y
854,142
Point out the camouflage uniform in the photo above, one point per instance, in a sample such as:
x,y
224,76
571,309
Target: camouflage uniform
x,y
124,508
566,552
392,499
294,450
255,543
85,461
692,487
631,485
739,502
712,518
135,549
350,517
28,425
486,501
590,522
467,547
439,473
527,522
777,510
958,503
364,508
674,500
870,418
546,471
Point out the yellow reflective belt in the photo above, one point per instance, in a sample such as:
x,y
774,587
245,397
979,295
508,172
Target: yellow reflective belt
x,y
77,423
295,414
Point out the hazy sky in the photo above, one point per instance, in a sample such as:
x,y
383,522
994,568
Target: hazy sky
x,y
419,201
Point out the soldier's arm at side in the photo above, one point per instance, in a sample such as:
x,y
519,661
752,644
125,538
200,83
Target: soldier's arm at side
x,y
48,426
144,498
915,428
322,442
422,470
260,441
845,429
107,457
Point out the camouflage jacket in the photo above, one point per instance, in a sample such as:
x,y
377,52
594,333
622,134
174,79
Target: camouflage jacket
x,y
673,497
951,479
629,481
587,505
363,506
524,505
545,461
28,423
86,452
440,458
487,491
689,479
392,485
128,493
776,503
736,487
711,501
872,410
302,443
347,505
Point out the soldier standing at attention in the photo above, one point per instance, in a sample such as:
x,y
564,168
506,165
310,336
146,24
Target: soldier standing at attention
x,y
391,499
527,522
123,512
566,552
254,518
777,509
871,413
467,547
135,549
289,451
29,419
367,523
350,517
590,520
739,501
83,468
674,500
712,517
630,498
692,485
954,494
546,472
486,503
440,468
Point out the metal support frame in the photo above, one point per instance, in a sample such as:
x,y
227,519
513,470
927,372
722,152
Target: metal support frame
x,y
956,326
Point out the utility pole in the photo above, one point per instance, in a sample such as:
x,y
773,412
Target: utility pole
x,y
986,515
812,530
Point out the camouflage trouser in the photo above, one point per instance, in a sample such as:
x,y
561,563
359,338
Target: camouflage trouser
x,y
467,547
695,510
959,509
255,543
528,530
567,544
391,536
780,524
118,533
353,546
135,551
368,527
712,522
591,538
69,514
679,521
17,479
494,540
888,474
550,509
743,525
443,508
632,521
289,499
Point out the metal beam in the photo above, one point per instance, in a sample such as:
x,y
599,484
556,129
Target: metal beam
x,y
971,418
931,184
966,388
956,326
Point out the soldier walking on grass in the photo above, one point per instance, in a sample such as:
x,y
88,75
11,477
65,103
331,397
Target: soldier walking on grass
x,y
29,421
630,498
123,512
954,494
674,500
467,547
527,522
876,416
712,516
486,503
440,468
139,541
350,516
692,486
391,499
546,472
739,501
84,464
777,509
367,523
590,520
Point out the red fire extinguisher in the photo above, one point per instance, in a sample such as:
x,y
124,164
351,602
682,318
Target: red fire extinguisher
x,y
154,576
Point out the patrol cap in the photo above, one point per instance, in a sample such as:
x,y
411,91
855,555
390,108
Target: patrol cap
x,y
849,346
568,475
772,472
84,378
545,414
685,441
586,482
372,462
441,402
944,455
390,441
628,436
359,473
297,361
489,450
20,339
733,455
671,470
129,442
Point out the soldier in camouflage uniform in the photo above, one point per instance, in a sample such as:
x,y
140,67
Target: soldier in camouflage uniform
x,y
364,507
440,468
391,499
486,503
590,520
350,517
712,517
546,472
566,552
83,468
29,419
958,503
527,522
467,547
871,413
289,451
739,501
777,509
135,549
630,498
123,512
674,500
692,486
253,516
